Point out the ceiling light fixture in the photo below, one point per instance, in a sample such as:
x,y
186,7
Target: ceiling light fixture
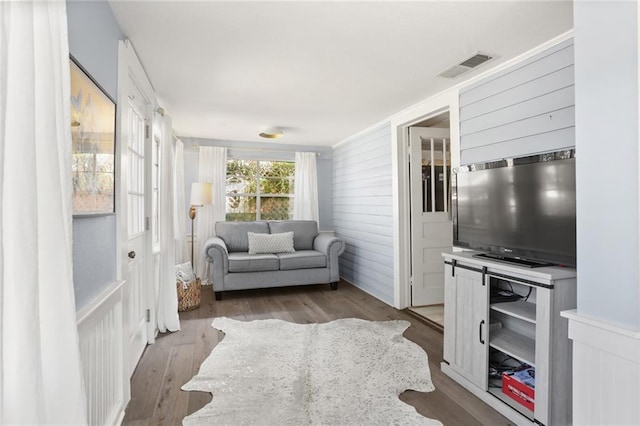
x,y
272,133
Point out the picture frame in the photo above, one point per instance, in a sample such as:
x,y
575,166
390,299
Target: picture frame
x,y
93,135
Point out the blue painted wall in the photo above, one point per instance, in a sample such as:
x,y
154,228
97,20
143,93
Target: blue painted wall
x,y
607,175
93,41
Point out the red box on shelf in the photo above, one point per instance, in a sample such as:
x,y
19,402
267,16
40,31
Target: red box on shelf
x,y
519,386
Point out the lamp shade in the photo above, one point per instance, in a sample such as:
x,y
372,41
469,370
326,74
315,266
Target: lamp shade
x,y
201,193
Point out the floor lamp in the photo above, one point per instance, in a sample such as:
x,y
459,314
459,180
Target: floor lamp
x,y
201,194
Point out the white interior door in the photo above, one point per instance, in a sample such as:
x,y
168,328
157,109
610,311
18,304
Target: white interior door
x,y
137,251
135,110
431,231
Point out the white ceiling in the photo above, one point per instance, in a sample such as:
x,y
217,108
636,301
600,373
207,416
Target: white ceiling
x,y
322,71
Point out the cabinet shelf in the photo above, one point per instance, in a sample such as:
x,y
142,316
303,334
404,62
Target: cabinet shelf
x,y
519,309
514,344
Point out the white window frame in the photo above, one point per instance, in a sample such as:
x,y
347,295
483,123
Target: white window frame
x,y
258,195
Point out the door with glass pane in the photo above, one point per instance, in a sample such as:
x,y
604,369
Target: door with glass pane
x,y
431,231
135,303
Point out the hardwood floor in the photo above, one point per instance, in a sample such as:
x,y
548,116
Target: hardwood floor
x,y
156,398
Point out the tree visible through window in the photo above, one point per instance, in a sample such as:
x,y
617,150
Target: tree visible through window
x,y
259,190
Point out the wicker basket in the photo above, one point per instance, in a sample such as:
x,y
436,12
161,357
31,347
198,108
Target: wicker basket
x,y
189,297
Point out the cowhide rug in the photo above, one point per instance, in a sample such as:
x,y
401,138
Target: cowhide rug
x,y
345,372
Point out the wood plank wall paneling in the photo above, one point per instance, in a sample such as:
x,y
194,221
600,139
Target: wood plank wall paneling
x,y
363,214
524,110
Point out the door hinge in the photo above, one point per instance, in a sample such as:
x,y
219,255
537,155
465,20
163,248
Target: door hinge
x,y
146,131
148,315
146,223
411,290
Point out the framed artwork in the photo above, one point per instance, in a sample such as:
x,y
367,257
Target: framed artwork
x,y
93,123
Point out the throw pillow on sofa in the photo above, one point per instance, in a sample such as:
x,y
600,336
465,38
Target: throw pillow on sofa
x,y
270,243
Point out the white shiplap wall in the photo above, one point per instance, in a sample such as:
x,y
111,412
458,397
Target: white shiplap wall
x,y
362,211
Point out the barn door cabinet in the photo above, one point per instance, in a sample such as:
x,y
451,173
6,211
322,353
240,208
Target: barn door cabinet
x,y
479,335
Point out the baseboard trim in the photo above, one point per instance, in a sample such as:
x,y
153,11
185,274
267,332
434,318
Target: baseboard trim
x,y
606,371
367,291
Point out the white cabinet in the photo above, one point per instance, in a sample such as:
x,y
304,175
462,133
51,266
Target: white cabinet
x,y
481,337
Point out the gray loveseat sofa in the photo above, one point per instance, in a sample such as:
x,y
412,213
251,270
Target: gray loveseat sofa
x,y
314,261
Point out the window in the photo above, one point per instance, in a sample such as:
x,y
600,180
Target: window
x,y
259,190
436,175
155,198
136,184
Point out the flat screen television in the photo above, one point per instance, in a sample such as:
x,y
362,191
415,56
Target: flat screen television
x,y
518,210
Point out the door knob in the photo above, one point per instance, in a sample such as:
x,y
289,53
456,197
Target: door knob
x,y
132,254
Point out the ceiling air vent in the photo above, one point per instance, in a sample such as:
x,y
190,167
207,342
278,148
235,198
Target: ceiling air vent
x,y
466,65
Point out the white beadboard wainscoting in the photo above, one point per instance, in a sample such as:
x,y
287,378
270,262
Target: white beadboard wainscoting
x,y
606,372
100,329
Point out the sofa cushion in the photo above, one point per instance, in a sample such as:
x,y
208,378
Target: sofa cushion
x,y
234,234
302,259
245,262
304,231
270,243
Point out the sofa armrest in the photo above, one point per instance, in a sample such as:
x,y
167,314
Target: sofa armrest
x,y
332,247
325,242
216,253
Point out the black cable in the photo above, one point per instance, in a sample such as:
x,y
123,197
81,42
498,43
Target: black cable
x,y
499,366
519,295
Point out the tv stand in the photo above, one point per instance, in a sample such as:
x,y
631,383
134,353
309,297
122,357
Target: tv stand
x,y
527,263
481,337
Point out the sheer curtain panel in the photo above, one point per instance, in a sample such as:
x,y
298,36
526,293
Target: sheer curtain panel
x,y
305,200
180,211
212,167
167,313
40,374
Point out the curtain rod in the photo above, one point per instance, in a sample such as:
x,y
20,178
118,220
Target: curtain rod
x,y
268,150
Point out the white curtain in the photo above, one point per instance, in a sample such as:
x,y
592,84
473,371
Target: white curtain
x,y
40,373
167,312
180,212
212,167
305,199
